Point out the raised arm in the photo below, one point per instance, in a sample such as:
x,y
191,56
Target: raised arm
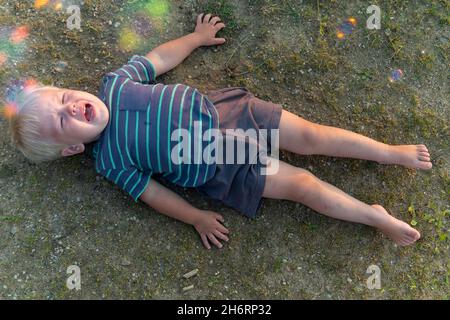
x,y
207,223
168,55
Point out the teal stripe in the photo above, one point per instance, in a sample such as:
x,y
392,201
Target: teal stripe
x,y
117,123
129,178
189,139
118,176
108,173
151,65
103,162
137,72
158,156
180,118
200,142
137,182
126,138
209,153
136,140
145,70
129,75
111,158
143,189
169,119
147,138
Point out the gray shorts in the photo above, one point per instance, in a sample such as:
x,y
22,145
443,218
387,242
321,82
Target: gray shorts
x,y
241,186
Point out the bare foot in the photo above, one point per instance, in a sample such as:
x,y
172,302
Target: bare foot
x,y
400,232
409,155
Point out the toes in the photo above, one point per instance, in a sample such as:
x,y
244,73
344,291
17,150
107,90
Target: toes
x,y
406,241
424,163
424,153
422,147
424,158
413,234
403,242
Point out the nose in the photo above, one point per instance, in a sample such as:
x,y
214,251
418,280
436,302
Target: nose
x,y
75,111
71,109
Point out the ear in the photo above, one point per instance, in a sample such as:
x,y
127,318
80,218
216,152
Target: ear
x,y
73,150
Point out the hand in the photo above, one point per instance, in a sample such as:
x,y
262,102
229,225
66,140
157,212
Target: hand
x,y
207,28
209,226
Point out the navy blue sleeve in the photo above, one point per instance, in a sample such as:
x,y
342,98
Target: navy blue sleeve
x,y
131,180
138,69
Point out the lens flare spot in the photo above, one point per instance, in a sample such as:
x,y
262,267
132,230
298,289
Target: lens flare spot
x,y
3,58
9,110
38,4
19,34
60,66
129,40
58,6
346,28
156,8
29,84
396,75
352,21
142,25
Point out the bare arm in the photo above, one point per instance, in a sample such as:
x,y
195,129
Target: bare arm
x,y
170,54
207,223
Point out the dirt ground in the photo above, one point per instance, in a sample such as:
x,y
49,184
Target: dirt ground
x,y
60,214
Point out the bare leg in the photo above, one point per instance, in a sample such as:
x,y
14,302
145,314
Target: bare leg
x,y
304,137
292,183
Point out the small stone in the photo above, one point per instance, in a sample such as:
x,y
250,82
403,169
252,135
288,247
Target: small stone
x,y
125,262
188,288
190,274
13,230
349,280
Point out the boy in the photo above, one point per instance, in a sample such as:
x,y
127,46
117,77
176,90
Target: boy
x,y
133,122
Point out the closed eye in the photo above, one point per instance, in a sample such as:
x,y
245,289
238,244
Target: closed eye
x,y
62,101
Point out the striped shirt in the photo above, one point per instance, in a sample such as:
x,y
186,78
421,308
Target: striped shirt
x,y
143,116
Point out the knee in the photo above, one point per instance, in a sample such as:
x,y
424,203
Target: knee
x,y
311,137
302,185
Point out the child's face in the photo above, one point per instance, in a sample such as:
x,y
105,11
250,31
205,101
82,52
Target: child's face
x,y
71,117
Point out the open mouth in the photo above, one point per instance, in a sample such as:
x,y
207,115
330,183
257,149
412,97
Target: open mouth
x,y
89,112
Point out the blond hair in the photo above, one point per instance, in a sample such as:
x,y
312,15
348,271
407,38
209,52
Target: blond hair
x,y
24,128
